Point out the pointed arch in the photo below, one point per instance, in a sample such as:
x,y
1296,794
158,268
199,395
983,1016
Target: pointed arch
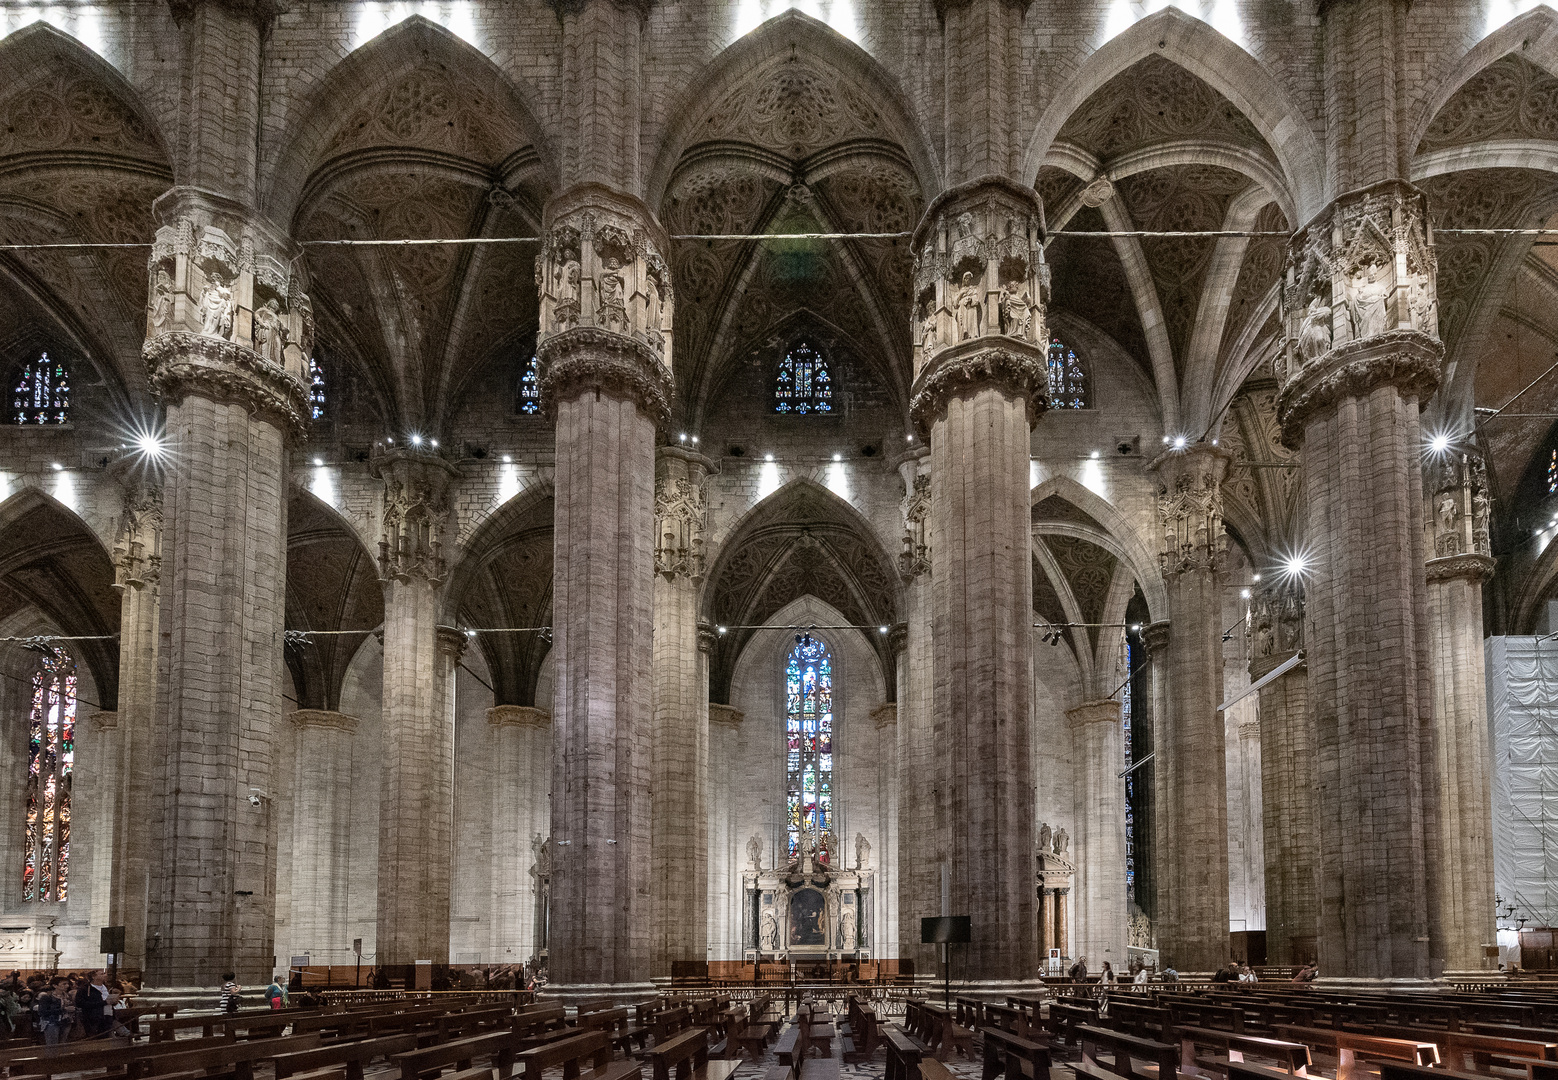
x,y
1120,536
373,69
778,39
1223,65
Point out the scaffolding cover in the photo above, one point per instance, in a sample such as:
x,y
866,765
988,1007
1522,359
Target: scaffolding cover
x,y
1523,707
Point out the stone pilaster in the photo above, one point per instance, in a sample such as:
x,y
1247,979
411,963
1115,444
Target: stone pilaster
x,y
679,755
1459,506
416,826
322,813
521,817
1361,355
137,573
884,938
1098,889
728,849
605,349
980,384
1290,827
222,371
1190,769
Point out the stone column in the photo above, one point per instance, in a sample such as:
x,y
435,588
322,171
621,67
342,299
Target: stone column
x,y
521,817
679,754
1062,929
416,794
1098,748
321,833
233,398
979,387
1155,639
1046,923
1361,355
1458,513
605,350
727,849
1190,769
884,937
137,570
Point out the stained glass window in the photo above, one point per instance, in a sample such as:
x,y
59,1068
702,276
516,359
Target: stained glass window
x,y
530,387
1130,777
804,384
42,393
51,758
1552,474
808,727
1068,387
316,389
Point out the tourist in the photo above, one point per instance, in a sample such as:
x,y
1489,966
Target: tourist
x,y
51,1014
1306,973
1224,973
1247,974
1139,983
10,1007
91,1002
276,994
230,993
1078,972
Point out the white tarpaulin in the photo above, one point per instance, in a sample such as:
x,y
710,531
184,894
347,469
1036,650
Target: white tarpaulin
x,y
1523,707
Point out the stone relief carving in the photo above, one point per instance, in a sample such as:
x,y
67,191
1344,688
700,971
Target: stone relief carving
x,y
1190,510
1276,618
417,514
914,559
769,935
1511,98
847,928
137,550
679,522
1455,488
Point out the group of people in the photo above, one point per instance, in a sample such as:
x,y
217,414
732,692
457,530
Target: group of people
x,y
62,1008
1234,971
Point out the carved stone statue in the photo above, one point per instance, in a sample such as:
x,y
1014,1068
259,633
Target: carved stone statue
x,y
1369,292
1015,310
541,848
216,310
1314,336
1445,511
862,851
768,938
755,852
1425,311
847,929
968,308
268,331
1062,842
1046,839
613,311
162,303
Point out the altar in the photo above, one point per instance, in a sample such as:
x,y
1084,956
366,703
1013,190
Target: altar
x,y
808,909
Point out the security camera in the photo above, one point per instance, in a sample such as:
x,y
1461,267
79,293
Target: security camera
x,y
254,800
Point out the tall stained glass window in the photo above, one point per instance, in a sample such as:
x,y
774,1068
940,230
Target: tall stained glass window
x,y
51,758
530,387
1130,777
316,390
1068,387
42,393
808,724
804,384
1552,474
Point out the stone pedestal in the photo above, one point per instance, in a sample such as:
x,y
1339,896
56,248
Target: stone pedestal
x,y
521,742
604,349
679,756
1190,769
1361,357
231,406
980,385
322,812
1098,849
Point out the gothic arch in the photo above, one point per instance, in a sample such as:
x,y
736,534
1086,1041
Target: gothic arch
x,y
1120,536
783,37
1223,65
373,69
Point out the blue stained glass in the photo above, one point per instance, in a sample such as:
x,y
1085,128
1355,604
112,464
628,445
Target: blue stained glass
x,y
51,756
530,387
809,724
316,390
804,384
42,393
1068,382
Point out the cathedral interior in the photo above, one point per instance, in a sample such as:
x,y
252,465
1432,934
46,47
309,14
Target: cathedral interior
x,y
605,490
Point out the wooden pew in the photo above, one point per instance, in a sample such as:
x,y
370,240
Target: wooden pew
x,y
687,1058
501,1046
1143,1021
35,1059
592,1048
234,1058
860,1041
598,1005
1348,1047
1130,1057
818,1025
950,1035
1292,1056
1063,1020
1014,1056
904,1054
351,1056
1185,1010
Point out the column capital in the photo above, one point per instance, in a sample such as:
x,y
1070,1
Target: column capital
x,y
980,290
323,718
914,559
452,642
885,715
1474,568
1156,637
606,301
137,550
518,716
725,716
1190,507
1276,623
1459,507
680,512
1095,712
261,11
417,512
1359,304
898,638
707,638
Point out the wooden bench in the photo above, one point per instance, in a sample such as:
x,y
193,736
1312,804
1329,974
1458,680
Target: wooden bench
x,y
592,1048
687,1058
1130,1057
1016,1057
37,1060
587,1007
1063,1020
931,1069
1293,1056
1348,1047
1197,1012
904,1054
234,1058
1142,1020
501,1046
859,1043
670,1022
1400,1070
1007,1019
351,1056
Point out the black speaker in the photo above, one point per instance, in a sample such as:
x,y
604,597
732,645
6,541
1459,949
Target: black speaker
x,y
112,940
949,929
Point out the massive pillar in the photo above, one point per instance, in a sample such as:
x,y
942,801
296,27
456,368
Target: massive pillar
x,y
1290,828
137,570
679,754
1362,354
1190,769
1098,889
727,849
979,386
521,817
605,356
884,937
322,813
233,397
1460,562
416,792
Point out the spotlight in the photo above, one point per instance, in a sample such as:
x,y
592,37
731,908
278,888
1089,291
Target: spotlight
x,y
435,444
768,457
416,440
1254,577
695,440
1439,443
1179,442
909,438
838,457
881,629
148,444
56,466
508,459
721,629
319,461
1094,455
1245,593
682,436
470,633
1135,628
